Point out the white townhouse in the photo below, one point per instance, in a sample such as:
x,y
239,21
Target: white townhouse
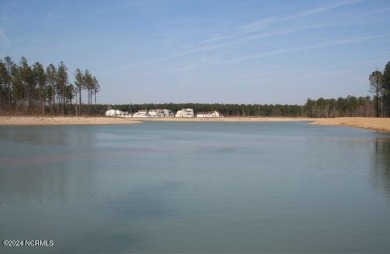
x,y
185,112
209,114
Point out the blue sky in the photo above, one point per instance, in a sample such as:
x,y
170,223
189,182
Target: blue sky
x,y
207,51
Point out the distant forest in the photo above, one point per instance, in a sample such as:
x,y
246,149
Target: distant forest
x,y
37,90
350,106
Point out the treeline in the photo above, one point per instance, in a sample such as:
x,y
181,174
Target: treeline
x,y
341,107
224,109
34,89
380,87
349,106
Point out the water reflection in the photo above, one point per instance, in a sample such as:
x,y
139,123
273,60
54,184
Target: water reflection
x,y
134,211
45,163
381,169
46,183
32,185
148,188
36,135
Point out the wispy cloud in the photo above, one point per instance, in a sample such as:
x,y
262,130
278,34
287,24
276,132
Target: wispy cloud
x,y
303,48
3,19
336,66
205,48
264,23
266,54
251,38
247,33
164,71
152,61
3,36
321,9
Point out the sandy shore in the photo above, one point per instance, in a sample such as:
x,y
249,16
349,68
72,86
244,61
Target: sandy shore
x,y
62,120
379,124
227,119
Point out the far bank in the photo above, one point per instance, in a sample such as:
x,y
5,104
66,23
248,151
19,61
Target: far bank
x,y
371,123
61,120
378,124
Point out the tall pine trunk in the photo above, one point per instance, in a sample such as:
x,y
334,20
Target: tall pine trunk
x,y
80,99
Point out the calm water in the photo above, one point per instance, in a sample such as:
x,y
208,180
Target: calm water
x,y
196,187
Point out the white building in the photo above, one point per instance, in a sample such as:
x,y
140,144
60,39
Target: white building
x,y
116,112
168,113
209,114
141,113
154,113
160,113
112,112
185,112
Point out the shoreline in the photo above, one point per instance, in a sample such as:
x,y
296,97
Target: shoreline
x,y
103,120
225,119
377,124
368,123
62,120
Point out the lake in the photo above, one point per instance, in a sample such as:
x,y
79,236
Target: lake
x,y
193,187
